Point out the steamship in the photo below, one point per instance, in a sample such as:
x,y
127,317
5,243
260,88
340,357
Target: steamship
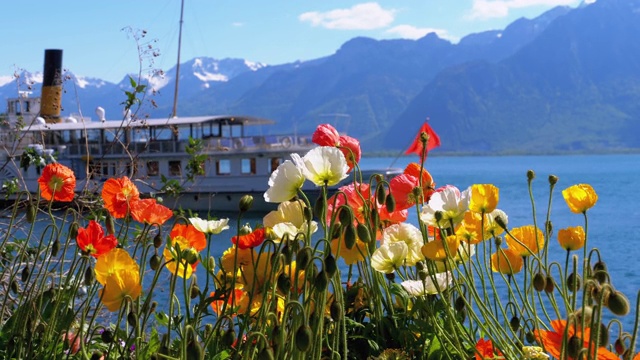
x,y
153,152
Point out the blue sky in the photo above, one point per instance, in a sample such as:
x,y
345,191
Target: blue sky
x,y
269,31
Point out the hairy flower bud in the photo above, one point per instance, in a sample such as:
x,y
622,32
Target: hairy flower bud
x,y
363,233
336,311
600,272
88,276
190,255
618,303
390,276
531,175
303,338
619,346
574,282
110,224
381,194
55,247
459,303
107,336
350,236
553,179
500,221
321,281
157,240
514,323
539,282
303,257
194,291
245,203
132,319
284,283
25,274
32,211
154,262
574,346
330,265
550,284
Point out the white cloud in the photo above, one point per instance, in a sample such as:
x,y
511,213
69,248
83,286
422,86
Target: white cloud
x,y
487,9
366,16
412,32
237,24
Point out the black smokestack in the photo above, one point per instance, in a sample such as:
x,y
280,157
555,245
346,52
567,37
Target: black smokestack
x,y
51,101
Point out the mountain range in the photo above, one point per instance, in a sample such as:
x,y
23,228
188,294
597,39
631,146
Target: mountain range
x,y
566,81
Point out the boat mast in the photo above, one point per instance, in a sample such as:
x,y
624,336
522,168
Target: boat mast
x,y
174,113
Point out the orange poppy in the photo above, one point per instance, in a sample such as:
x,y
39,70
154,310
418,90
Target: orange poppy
x,y
551,340
218,305
439,249
354,195
57,182
530,237
506,261
92,240
486,350
187,237
118,194
428,186
150,212
250,240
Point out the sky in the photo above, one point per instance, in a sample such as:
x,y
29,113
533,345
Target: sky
x,y
100,38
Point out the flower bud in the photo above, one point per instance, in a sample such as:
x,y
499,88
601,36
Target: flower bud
x,y
539,282
381,194
157,240
574,346
423,274
553,179
375,217
284,283
154,262
330,265
574,282
24,276
390,276
550,284
321,281
419,265
194,291
618,345
618,303
600,272
514,323
530,337
194,351
308,215
228,338
320,207
549,227
345,215
303,338
363,233
32,211
498,241
390,203
96,355
245,230
603,340
500,221
190,255
107,336
459,303
88,276
336,311
55,247
531,175
245,203
14,286
350,236
132,319
266,353
438,215
303,257
110,224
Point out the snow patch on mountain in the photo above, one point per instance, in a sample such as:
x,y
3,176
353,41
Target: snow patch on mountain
x,y
253,66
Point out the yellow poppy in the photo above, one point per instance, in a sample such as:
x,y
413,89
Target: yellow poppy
x,y
506,261
118,285
113,261
531,238
435,250
350,256
484,198
580,197
572,238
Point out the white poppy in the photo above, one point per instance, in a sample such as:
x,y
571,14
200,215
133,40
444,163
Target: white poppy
x,y
323,165
388,257
449,202
284,183
427,287
289,218
209,226
409,234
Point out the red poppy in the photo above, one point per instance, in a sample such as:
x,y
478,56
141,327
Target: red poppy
x,y
402,189
118,194
326,135
350,147
353,195
428,186
57,182
196,239
218,305
250,240
150,212
433,141
486,350
92,240
552,340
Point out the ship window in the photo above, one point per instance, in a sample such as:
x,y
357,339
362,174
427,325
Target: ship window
x,y
249,166
223,167
152,168
175,169
275,162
